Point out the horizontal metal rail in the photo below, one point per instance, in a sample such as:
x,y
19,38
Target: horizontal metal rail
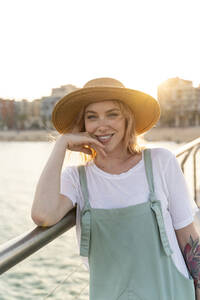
x,y
185,148
16,250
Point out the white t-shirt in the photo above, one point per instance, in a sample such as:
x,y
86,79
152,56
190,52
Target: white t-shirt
x,y
129,188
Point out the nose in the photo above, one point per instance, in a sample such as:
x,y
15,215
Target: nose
x,y
102,125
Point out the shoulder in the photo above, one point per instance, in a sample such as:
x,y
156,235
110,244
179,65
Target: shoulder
x,y
161,152
73,171
70,172
162,156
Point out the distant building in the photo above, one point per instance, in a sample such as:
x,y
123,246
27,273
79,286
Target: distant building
x,y
63,90
7,114
47,103
23,114
180,103
35,117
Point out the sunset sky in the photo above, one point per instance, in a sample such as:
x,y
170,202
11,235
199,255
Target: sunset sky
x,y
49,43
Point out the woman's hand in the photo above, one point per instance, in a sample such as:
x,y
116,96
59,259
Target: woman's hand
x,y
81,142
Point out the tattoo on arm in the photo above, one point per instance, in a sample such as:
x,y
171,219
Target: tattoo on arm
x,y
192,258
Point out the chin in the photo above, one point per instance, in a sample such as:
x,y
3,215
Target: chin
x,y
110,149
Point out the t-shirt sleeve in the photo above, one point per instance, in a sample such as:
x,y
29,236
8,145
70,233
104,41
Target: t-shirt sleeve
x,y
68,184
180,200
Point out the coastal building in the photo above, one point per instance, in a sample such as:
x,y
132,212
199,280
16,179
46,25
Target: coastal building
x,y
180,103
35,114
63,90
7,114
35,120
23,113
47,103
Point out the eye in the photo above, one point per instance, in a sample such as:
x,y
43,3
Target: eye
x,y
91,117
113,115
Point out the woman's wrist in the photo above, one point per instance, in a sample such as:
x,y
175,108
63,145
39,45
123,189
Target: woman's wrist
x,y
62,141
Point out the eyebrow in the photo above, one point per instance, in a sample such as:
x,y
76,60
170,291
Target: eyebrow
x,y
110,110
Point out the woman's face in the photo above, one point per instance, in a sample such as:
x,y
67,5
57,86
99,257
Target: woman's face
x,y
105,121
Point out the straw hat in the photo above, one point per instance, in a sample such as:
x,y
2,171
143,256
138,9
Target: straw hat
x,y
145,108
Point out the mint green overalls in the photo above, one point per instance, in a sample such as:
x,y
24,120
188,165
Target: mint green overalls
x,y
128,250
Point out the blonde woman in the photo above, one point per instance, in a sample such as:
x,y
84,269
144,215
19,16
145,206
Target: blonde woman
x,y
134,219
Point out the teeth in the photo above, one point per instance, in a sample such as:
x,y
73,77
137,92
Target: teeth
x,y
105,137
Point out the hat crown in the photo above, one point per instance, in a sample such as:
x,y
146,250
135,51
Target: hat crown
x,y
104,82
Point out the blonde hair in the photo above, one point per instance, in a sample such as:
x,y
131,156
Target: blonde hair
x,y
130,138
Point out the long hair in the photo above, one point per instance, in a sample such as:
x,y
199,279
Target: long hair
x,y
130,137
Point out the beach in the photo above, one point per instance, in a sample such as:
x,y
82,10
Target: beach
x,y
178,135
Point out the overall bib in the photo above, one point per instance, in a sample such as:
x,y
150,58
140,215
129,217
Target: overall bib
x,y
128,250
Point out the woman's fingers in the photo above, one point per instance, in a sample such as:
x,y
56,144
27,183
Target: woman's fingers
x,y
100,149
96,143
86,150
82,142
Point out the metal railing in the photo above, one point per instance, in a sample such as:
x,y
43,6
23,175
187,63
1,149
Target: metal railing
x,y
23,246
191,149
17,249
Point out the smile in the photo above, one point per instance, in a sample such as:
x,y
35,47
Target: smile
x,y
104,138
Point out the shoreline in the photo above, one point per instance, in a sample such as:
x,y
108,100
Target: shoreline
x,y
27,135
178,135
173,134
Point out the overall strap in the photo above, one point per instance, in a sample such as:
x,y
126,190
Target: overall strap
x,y
155,204
84,188
149,173
85,215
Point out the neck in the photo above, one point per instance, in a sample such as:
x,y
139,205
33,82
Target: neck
x,y
117,164
112,158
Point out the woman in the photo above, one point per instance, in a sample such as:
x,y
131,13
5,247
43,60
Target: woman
x,y
134,218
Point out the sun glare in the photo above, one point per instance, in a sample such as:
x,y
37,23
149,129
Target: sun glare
x,y
47,44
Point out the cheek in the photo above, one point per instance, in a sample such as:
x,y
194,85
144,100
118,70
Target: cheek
x,y
89,127
121,126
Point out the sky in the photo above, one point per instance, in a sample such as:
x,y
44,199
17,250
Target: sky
x,y
48,43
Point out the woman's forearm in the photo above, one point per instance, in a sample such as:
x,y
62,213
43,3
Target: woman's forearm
x,y
192,258
189,242
197,293
49,205
48,187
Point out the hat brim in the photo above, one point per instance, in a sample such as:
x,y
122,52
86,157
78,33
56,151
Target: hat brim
x,y
146,109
